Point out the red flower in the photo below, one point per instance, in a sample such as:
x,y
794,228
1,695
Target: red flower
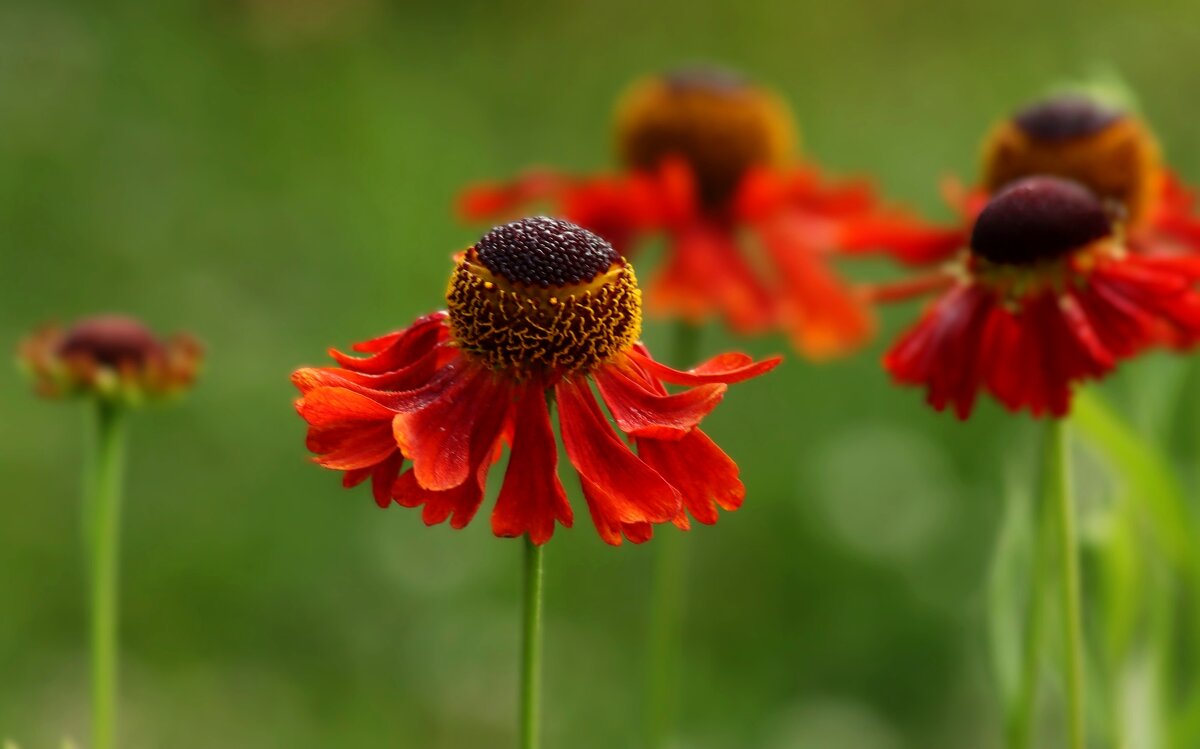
x,y
1048,296
109,356
749,237
539,311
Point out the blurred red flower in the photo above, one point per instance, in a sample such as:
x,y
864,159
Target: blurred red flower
x,y
1048,295
750,236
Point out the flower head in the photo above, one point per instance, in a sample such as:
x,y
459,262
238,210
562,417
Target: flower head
x,y
714,120
1110,151
707,164
1047,296
539,310
109,356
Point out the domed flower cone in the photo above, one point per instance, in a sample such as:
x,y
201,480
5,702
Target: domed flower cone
x,y
539,311
116,363
708,164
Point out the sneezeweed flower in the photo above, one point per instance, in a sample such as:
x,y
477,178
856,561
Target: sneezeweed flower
x,y
116,363
539,311
111,357
708,161
1110,151
1048,295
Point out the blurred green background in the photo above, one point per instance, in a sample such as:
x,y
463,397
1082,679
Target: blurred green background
x,y
277,175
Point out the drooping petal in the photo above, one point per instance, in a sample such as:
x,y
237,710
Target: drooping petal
x,y
333,406
941,352
349,448
704,475
641,411
459,503
610,527
822,315
383,478
532,497
706,272
630,490
450,435
726,368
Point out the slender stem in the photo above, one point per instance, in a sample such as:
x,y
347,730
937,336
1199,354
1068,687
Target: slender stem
x,y
667,598
1059,493
531,648
1021,726
102,526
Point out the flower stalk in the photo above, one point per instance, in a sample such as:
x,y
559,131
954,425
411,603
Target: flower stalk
x,y
531,648
102,514
1059,496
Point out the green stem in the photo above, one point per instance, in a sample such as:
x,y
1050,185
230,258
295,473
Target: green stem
x,y
102,526
1021,727
667,597
531,648
1059,495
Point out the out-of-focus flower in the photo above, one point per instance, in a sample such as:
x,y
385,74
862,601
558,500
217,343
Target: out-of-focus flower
x,y
708,163
1111,152
1048,295
109,356
539,311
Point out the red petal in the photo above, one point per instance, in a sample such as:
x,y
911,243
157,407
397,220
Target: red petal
x,y
608,525
643,412
904,237
941,352
532,497
704,475
631,491
727,368
705,273
459,504
331,406
456,430
355,447
822,315
383,479
405,349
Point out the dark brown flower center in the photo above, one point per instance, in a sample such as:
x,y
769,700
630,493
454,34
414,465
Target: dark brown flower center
x,y
544,252
1038,219
1065,117
542,295
714,120
111,340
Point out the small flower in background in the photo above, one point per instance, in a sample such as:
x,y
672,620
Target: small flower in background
x,y
708,161
539,310
109,356
115,363
1048,295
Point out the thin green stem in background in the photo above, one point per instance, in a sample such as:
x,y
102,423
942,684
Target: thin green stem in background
x,y
667,597
1058,494
102,530
1021,726
531,648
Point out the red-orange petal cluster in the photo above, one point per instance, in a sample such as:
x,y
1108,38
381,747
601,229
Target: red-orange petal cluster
x,y
425,412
